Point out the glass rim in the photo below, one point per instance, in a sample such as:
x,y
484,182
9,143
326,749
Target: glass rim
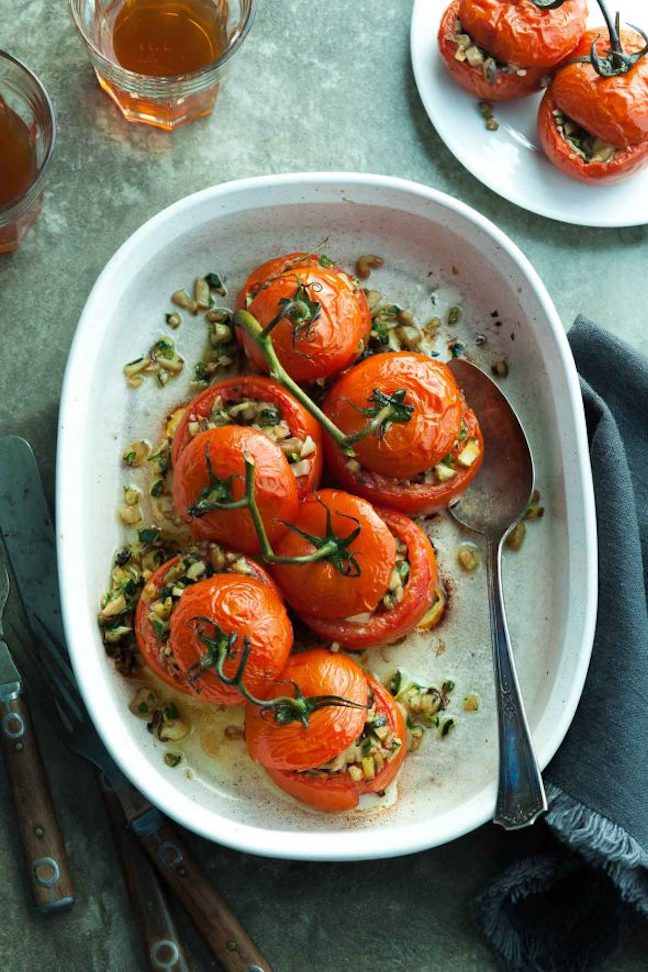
x,y
17,206
137,79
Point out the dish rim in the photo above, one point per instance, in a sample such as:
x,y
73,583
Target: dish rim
x,y
454,145
310,845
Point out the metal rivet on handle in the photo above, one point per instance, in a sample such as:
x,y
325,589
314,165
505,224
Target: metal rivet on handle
x,y
46,872
17,730
164,954
169,854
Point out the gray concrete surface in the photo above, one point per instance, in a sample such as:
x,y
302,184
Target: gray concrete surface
x,y
318,86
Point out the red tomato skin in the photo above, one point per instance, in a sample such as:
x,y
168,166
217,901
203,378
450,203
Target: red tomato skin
x,y
335,339
415,499
406,448
148,643
507,87
340,792
275,485
517,32
389,626
238,604
613,109
331,729
626,162
321,584
300,422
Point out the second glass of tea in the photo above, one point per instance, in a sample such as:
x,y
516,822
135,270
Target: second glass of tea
x,y
162,61
27,135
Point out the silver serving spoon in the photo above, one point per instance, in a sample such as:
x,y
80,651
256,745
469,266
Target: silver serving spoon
x,y
492,505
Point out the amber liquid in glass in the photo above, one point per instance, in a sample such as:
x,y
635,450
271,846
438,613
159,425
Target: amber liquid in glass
x,y
160,38
18,167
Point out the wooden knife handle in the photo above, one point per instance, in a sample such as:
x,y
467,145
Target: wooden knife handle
x,y
162,944
228,940
47,864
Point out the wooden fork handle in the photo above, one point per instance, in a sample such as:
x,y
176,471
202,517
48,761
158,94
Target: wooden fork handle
x,y
162,944
228,939
47,865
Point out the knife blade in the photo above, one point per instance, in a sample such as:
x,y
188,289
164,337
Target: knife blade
x,y
37,579
28,534
40,835
10,681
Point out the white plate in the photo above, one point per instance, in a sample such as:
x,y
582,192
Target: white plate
x,y
510,160
425,238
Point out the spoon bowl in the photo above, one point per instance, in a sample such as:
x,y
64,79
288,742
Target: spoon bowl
x,y
500,494
492,505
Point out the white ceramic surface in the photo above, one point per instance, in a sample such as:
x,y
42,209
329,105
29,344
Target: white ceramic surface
x,y
510,161
427,239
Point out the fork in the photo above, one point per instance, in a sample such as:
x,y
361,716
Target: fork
x,y
48,870
227,938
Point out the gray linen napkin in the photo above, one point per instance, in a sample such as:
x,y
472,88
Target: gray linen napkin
x,y
565,908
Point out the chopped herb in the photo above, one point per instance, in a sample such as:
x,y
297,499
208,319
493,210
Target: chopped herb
x,y
394,684
123,556
215,283
447,726
157,487
149,535
159,627
268,417
171,711
454,315
326,261
456,348
172,759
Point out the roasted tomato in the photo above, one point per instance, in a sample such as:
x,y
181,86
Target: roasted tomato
x,y
324,318
211,469
476,70
270,409
356,577
429,492
425,412
412,591
579,154
520,34
240,598
344,753
614,109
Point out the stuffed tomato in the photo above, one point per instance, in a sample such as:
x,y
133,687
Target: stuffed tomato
x,y
427,448
378,581
209,482
318,313
265,406
344,752
194,603
594,128
504,49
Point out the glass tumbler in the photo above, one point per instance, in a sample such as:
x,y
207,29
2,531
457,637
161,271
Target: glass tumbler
x,y
26,102
145,52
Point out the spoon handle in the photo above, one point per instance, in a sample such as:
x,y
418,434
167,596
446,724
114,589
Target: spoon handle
x,y
520,794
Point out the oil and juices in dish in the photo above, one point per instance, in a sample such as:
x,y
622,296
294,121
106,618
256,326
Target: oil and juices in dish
x,y
161,61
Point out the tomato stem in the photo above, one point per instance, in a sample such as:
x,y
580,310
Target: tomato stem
x,y
391,407
618,61
284,709
330,547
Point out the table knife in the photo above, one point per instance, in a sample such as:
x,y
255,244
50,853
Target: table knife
x,y
29,536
